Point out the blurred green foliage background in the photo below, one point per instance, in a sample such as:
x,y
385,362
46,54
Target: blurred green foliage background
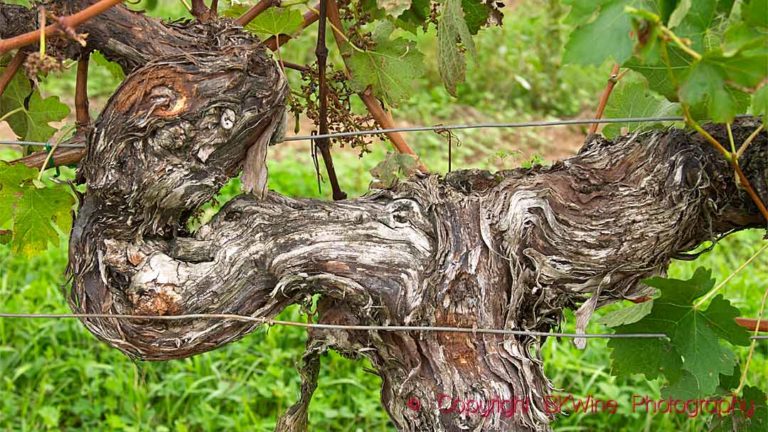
x,y
55,376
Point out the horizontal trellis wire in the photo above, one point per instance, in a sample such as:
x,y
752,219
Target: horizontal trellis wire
x,y
395,328
437,128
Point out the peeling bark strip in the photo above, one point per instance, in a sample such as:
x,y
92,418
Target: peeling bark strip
x,y
507,250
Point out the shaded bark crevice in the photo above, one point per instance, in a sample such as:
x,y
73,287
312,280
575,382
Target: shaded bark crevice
x,y
510,250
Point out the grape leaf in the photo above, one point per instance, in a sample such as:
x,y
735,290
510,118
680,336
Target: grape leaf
x,y
582,11
394,8
608,36
626,315
741,36
694,346
760,103
114,69
32,213
650,357
695,22
752,416
11,189
31,123
394,166
661,78
705,89
452,30
413,18
632,98
679,13
665,9
390,70
271,22
476,14
755,12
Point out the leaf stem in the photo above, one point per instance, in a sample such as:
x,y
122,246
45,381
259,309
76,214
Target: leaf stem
x,y
732,158
730,138
324,144
11,70
719,286
10,113
710,139
47,160
612,80
679,42
748,141
42,31
743,379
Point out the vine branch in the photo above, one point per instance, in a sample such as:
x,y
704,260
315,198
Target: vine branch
x,y
56,29
82,116
255,11
374,106
276,41
323,144
612,80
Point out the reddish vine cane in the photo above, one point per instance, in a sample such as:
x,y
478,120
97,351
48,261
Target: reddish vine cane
x,y
59,28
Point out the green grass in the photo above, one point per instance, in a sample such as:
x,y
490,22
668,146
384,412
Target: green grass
x,y
55,376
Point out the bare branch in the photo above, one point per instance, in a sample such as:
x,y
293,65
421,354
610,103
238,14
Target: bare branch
x,y
71,21
255,11
11,70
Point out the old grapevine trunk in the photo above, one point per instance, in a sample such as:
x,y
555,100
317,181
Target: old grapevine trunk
x,y
509,250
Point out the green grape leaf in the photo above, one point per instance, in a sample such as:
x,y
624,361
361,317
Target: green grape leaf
x,y
42,112
682,9
32,213
31,123
582,11
452,30
632,98
665,9
741,36
694,346
476,14
607,37
390,69
394,8
13,98
750,413
271,22
413,18
706,91
114,69
651,357
37,215
684,387
626,315
746,68
755,13
760,103
695,22
662,79
12,178
394,166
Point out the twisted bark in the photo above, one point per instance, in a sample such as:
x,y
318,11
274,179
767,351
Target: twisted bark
x,y
511,250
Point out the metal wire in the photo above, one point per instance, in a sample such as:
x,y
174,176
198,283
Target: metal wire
x,y
542,123
36,143
233,317
395,328
514,125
